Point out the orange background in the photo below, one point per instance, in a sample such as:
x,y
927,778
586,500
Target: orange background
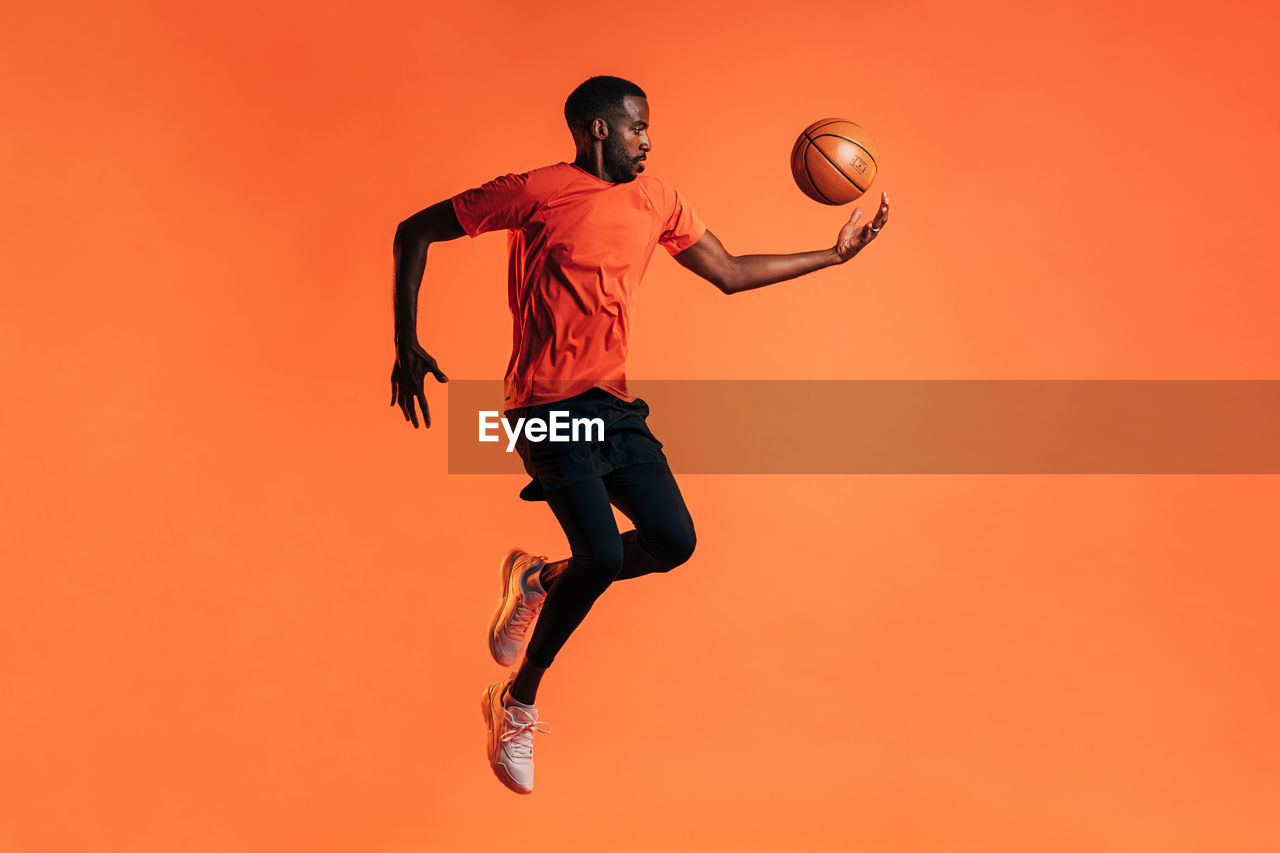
x,y
243,603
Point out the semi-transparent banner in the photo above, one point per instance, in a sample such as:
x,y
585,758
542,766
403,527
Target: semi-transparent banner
x,y
912,426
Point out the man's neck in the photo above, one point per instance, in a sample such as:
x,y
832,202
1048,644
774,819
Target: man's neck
x,y
592,162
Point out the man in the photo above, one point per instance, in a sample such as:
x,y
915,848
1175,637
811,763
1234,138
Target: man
x,y
580,237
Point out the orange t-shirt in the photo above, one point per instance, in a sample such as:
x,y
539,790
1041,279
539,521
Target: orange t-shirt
x,y
577,249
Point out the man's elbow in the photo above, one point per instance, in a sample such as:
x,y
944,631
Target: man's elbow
x,y
727,278
411,230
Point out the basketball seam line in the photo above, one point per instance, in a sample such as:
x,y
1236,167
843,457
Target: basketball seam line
x,y
804,155
832,162
855,142
824,124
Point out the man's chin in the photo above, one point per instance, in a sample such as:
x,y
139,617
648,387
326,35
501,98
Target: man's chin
x,y
625,171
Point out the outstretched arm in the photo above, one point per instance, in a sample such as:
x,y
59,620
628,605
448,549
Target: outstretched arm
x,y
733,274
409,250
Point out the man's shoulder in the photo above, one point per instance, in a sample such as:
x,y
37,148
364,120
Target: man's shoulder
x,y
547,180
561,168
557,173
542,176
662,194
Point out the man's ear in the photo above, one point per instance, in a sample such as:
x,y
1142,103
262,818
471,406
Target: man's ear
x,y
599,128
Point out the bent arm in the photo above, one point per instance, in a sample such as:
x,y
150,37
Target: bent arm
x,y
732,274
435,224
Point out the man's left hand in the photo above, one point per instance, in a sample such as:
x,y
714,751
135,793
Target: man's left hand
x,y
853,238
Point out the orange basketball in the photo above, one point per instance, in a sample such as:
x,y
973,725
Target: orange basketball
x,y
834,161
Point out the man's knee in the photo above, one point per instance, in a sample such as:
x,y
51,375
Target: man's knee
x,y
676,546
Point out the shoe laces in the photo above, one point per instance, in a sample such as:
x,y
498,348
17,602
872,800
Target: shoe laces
x,y
520,619
518,735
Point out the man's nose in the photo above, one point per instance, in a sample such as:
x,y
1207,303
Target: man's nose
x,y
645,144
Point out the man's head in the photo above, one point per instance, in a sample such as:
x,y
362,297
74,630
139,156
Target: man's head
x,y
613,114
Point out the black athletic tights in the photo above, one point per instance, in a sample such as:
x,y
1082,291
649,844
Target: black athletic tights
x,y
663,538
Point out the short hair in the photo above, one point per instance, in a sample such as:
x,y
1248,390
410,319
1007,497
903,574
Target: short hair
x,y
599,97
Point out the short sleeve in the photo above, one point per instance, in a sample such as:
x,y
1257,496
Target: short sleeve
x,y
506,202
683,228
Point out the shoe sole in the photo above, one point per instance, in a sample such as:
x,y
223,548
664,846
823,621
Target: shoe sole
x,y
504,571
486,709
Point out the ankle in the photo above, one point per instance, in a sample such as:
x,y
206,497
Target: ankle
x,y
523,687
550,571
509,698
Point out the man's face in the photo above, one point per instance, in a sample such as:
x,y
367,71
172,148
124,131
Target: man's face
x,y
628,140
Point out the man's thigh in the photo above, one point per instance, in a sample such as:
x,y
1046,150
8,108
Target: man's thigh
x,y
647,494
585,515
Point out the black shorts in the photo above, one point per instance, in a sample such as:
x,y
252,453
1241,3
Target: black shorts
x,y
552,464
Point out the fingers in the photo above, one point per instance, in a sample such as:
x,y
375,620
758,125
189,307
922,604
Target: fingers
x,y
426,415
396,396
422,397
406,406
872,229
853,239
406,403
407,390
434,369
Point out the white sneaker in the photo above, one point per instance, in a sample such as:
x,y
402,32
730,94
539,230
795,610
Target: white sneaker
x,y
522,597
510,744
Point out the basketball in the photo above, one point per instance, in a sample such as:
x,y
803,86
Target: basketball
x,y
834,161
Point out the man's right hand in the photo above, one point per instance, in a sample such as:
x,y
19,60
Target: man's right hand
x,y
413,363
